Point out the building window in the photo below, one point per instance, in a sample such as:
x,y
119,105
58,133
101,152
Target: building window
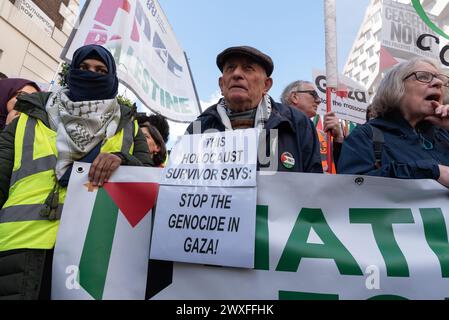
x,y
363,65
376,16
368,35
365,80
357,77
377,35
370,52
372,67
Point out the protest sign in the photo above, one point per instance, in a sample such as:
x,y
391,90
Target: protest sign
x,y
405,35
349,101
205,225
369,238
207,201
149,58
214,159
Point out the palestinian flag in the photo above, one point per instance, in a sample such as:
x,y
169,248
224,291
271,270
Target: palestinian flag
x,y
102,248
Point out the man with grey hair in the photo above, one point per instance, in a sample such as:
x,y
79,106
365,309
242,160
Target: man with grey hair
x,y
302,95
244,85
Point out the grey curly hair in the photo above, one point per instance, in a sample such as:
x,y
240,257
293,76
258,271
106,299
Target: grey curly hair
x,y
391,88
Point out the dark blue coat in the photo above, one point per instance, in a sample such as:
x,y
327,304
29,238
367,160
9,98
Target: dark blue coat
x,y
404,153
296,135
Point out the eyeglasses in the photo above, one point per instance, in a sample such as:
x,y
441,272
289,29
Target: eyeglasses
x,y
427,77
313,93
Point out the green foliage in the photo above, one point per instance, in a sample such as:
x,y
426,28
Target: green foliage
x,y
62,74
124,101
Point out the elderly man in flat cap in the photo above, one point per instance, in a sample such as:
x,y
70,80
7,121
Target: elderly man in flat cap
x,y
246,104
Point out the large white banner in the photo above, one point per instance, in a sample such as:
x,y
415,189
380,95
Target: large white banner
x,y
316,237
335,237
150,60
207,201
205,225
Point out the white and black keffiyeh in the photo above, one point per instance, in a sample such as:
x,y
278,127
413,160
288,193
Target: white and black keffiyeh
x,y
262,114
80,126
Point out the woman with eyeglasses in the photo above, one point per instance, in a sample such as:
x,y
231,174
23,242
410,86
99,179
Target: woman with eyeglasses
x,y
413,122
9,90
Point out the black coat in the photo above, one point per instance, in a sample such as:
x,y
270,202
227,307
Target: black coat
x,y
407,153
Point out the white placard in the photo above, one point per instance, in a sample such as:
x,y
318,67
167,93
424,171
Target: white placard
x,y
349,102
205,225
214,159
347,109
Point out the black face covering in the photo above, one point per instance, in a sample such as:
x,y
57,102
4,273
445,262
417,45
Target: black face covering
x,y
87,85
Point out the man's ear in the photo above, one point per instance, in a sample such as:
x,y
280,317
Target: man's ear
x,y
268,85
220,84
293,99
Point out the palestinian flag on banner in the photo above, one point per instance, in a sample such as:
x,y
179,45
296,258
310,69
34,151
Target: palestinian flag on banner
x,y
103,242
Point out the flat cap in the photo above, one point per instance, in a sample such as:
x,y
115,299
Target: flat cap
x,y
258,56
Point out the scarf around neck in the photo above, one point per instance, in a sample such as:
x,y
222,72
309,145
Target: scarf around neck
x,y
80,126
261,115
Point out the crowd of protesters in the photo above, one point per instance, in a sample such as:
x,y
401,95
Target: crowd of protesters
x,y
406,136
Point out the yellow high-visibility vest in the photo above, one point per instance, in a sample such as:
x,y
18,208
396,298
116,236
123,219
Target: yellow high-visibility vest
x,y
22,224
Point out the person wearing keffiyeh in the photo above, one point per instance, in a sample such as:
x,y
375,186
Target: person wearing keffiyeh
x,y
244,85
80,122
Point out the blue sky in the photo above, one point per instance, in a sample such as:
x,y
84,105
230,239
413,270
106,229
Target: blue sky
x,y
290,31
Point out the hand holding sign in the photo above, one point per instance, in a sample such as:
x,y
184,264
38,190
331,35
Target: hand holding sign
x,y
212,221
